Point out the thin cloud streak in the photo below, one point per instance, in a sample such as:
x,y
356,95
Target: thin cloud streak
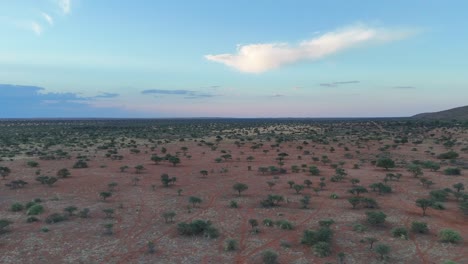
x,y
48,18
335,84
262,57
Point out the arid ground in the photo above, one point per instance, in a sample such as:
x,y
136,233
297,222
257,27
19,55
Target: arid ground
x,y
139,198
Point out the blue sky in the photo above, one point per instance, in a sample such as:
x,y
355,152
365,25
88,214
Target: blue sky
x,y
84,58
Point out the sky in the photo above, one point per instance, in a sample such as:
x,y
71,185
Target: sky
x,y
245,58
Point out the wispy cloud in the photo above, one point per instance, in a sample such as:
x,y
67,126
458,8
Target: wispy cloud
x,y
106,95
189,94
404,87
335,84
257,58
65,6
34,101
277,95
48,18
36,28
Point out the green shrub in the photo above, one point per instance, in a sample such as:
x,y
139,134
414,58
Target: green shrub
x,y
269,256
284,224
452,171
322,249
375,218
35,209
16,207
230,244
55,218
268,222
197,227
419,227
401,232
449,236
448,155
359,228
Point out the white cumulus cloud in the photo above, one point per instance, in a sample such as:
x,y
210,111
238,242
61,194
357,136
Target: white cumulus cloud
x,y
257,58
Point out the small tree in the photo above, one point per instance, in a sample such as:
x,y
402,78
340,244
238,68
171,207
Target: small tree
x,y
354,201
354,181
169,216
371,241
4,172
105,195
139,168
253,223
291,184
358,190
70,210
123,168
63,173
308,183
240,187
385,163
156,159
383,250
459,186
375,218
194,200
174,160
416,170
298,188
424,204
419,227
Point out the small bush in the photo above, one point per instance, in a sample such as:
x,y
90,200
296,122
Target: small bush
x,y
268,222
230,244
448,155
401,232
16,207
32,219
419,227
322,249
359,228
284,224
270,256
452,171
55,218
35,209
449,236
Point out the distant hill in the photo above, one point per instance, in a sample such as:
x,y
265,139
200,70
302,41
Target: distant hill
x,y
459,113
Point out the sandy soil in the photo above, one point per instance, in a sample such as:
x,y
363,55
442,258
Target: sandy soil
x,y
138,209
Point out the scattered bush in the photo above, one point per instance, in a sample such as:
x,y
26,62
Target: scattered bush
x,y
35,210
419,227
401,232
16,207
449,236
270,256
55,218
